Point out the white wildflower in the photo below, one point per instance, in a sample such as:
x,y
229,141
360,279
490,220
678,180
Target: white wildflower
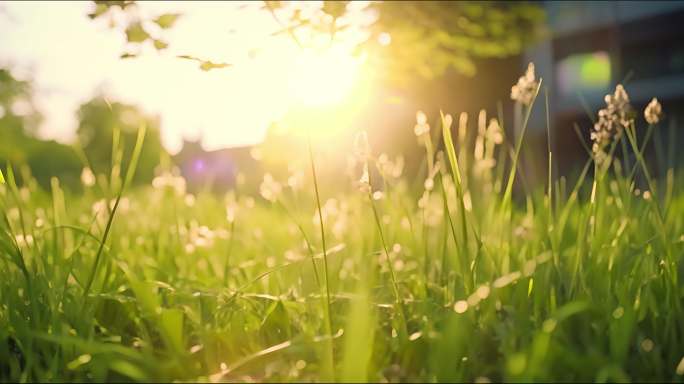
x,y
24,241
296,179
362,152
269,188
422,127
429,184
616,116
230,212
87,177
170,181
190,200
524,91
361,146
364,181
389,168
653,112
494,131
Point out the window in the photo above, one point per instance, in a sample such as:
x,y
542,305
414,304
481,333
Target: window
x,y
587,73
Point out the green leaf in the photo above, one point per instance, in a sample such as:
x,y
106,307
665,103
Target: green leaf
x,y
273,5
335,8
135,33
128,369
167,20
276,325
100,9
146,293
2,178
171,321
205,65
159,44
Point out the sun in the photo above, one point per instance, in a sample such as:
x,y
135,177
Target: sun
x,y
323,78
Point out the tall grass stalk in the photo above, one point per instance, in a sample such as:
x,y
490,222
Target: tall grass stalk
x,y
129,177
393,276
329,359
458,182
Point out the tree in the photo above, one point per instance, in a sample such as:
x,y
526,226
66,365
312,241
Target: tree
x,y
19,121
98,120
430,37
411,39
17,110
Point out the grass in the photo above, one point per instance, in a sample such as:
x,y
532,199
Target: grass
x,y
462,281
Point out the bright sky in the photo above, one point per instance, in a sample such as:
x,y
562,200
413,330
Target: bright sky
x,y
71,58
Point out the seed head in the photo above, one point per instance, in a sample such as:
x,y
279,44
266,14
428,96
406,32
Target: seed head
x,y
231,209
171,181
364,181
422,127
361,146
494,131
653,112
616,116
524,91
269,188
429,184
87,177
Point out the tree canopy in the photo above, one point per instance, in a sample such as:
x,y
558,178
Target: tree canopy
x,y
98,121
409,39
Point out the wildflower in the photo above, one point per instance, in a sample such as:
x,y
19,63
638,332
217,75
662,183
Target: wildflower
x,y
361,146
364,181
616,116
269,188
461,306
494,131
240,179
296,179
170,181
526,88
389,168
199,236
255,153
653,112
462,127
647,345
481,132
362,152
230,212
336,212
190,200
429,184
87,177
24,241
422,127
99,206
680,367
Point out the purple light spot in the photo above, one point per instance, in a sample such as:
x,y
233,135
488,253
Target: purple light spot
x,y
198,165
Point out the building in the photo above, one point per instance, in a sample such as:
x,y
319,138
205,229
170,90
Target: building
x,y
213,170
594,45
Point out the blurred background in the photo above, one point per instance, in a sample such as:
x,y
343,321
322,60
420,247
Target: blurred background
x,y
227,89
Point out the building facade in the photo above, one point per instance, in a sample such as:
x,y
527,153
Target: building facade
x,y
593,45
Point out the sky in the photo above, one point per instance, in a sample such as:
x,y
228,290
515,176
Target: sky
x,y
72,58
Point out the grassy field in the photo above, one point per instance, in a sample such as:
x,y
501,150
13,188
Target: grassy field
x,y
452,276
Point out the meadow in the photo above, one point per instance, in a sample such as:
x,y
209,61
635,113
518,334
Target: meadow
x,y
461,273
